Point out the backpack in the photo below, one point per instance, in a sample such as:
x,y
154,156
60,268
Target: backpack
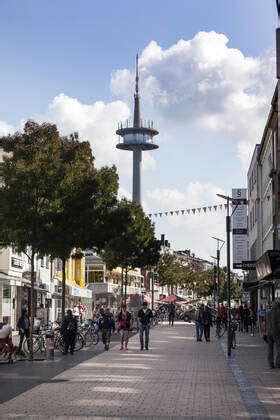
x,y
71,327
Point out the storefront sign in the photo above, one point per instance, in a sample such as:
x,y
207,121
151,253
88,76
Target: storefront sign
x,y
239,228
81,292
249,265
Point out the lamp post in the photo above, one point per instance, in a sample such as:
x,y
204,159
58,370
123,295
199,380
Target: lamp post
x,y
220,244
153,286
214,281
236,202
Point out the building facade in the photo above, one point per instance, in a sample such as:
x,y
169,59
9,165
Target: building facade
x,y
263,216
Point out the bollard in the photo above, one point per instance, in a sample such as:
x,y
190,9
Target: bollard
x,y
50,346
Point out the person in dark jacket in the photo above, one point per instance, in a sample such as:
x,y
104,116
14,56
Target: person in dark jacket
x,y
246,317
106,325
206,319
23,325
272,336
145,315
171,314
69,328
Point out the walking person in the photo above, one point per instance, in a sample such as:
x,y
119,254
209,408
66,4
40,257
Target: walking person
x,y
272,336
171,314
246,318
206,322
145,316
241,317
23,325
107,325
124,327
69,328
199,328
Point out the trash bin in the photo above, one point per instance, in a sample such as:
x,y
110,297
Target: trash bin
x,y
50,346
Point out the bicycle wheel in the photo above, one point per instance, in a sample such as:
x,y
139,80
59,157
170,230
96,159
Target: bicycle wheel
x,y
59,343
80,342
26,345
91,337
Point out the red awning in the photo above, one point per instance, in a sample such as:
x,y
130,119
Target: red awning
x,y
172,299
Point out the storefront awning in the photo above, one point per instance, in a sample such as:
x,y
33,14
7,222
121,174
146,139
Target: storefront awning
x,y
13,281
268,266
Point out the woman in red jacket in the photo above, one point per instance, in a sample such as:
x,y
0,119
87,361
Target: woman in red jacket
x,y
124,327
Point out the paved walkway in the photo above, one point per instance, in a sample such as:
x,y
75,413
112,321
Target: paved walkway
x,y
177,378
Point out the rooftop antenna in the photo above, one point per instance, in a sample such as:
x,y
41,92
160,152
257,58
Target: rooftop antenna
x,y
137,76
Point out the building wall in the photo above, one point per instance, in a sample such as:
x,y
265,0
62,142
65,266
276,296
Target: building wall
x,y
253,187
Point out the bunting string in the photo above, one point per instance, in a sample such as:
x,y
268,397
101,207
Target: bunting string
x,y
203,209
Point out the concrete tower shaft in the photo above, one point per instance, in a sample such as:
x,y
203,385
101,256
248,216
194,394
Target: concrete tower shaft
x,y
136,138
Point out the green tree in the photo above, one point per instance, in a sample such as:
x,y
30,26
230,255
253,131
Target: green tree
x,y
86,196
28,196
132,243
170,271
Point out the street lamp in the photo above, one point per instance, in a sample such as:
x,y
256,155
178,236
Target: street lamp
x,y
236,202
220,244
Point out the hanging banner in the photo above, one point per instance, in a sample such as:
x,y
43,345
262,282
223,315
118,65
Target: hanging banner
x,y
239,229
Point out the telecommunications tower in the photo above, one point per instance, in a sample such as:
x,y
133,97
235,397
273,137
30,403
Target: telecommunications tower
x,y
136,138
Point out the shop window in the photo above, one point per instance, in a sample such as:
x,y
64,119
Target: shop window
x,y
94,277
6,292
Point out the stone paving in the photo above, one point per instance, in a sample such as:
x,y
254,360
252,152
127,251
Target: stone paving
x,y
177,378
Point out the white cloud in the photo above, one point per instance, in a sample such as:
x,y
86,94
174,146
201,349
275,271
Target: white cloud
x,y
191,231
204,83
6,128
96,122
123,193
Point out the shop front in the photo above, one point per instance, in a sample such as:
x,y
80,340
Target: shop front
x,y
268,276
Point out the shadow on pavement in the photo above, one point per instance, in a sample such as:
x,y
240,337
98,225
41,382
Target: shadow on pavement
x,y
24,375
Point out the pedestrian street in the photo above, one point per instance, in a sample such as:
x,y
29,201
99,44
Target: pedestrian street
x,y
177,378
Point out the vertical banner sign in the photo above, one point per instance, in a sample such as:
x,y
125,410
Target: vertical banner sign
x,y
239,229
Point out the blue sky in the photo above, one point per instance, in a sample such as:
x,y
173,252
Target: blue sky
x,y
75,48
67,46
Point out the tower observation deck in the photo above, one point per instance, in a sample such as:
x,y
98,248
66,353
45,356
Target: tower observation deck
x,y
136,138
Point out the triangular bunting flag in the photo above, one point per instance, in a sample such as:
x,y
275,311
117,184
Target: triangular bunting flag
x,y
210,208
155,214
199,210
193,210
171,213
166,213
177,212
149,215
183,211
204,209
221,206
215,208
160,214
225,206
